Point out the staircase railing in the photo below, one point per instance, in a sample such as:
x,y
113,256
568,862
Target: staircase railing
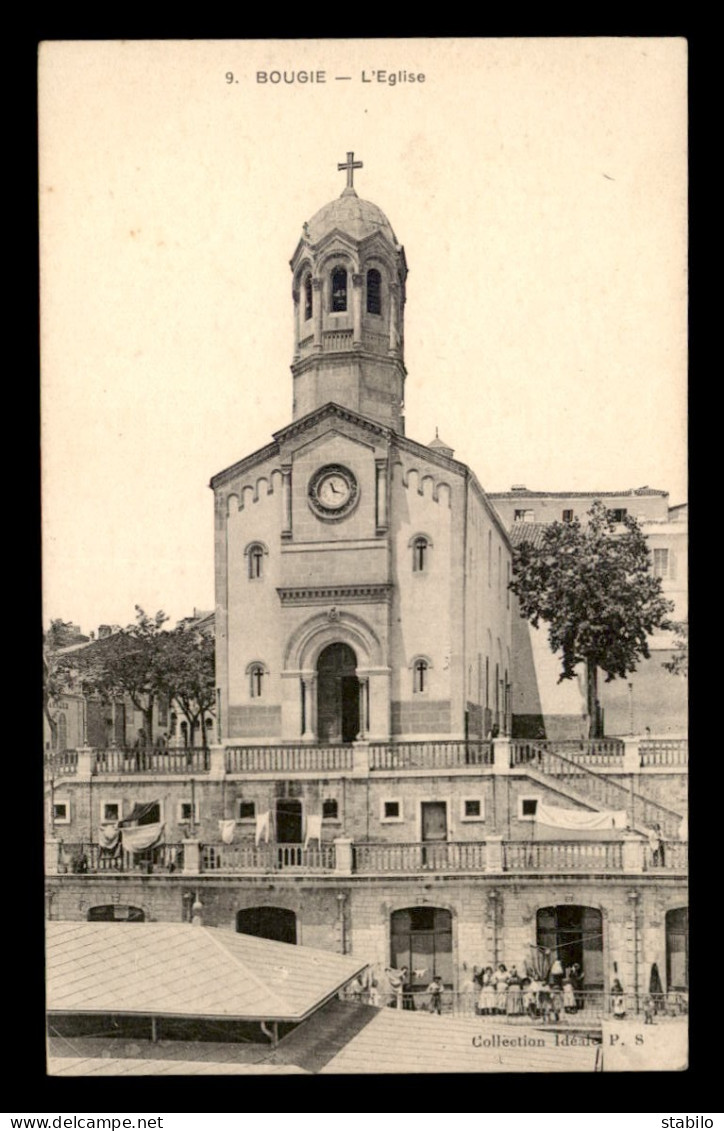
x,y
596,788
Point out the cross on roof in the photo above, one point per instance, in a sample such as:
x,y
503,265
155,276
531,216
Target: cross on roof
x,y
350,165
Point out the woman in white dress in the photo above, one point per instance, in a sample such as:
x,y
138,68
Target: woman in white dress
x,y
487,992
500,980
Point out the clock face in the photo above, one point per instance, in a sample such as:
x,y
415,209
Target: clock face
x,y
333,491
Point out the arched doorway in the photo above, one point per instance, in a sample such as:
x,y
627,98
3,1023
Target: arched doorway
x,y
115,913
337,694
574,934
421,940
677,949
268,923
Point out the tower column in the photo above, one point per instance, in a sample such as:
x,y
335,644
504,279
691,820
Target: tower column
x,y
357,311
287,500
295,299
394,315
317,312
381,500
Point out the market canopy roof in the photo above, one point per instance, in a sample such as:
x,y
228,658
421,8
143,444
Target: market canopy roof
x,y
181,970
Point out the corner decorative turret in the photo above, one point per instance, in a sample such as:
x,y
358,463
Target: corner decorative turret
x,y
349,299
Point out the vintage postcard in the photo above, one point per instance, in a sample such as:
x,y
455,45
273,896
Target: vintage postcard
x,y
365,555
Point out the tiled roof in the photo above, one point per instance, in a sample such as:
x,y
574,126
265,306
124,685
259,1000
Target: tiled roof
x,y
524,493
179,970
402,1041
139,1066
531,532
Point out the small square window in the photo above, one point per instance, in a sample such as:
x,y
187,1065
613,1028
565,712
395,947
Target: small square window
x,y
391,811
568,516
61,812
110,812
472,808
188,811
618,514
528,807
330,809
246,811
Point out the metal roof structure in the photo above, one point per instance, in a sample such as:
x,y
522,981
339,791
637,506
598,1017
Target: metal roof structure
x,y
184,971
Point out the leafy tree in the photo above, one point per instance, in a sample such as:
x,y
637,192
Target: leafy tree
x,y
129,662
56,670
188,674
594,588
679,662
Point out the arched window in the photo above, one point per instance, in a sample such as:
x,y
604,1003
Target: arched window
x,y
256,680
420,674
339,290
255,552
421,545
374,291
307,290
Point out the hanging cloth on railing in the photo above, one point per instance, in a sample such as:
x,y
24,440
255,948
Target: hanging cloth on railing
x,y
314,828
582,819
263,827
143,813
226,831
140,837
108,835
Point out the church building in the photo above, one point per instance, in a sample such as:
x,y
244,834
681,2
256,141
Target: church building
x,y
361,577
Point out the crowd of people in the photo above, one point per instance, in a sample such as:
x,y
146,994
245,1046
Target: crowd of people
x,y
512,993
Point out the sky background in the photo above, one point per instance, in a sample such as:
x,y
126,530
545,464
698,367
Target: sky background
x,y
538,187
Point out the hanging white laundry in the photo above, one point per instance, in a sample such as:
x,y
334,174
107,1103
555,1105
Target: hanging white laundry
x,y
139,837
314,828
583,819
108,835
226,831
263,827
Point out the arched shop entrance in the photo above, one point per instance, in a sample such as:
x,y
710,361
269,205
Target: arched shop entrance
x,y
268,923
677,949
115,913
574,934
421,940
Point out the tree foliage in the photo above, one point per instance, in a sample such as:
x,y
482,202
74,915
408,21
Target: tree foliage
x,y
187,661
56,669
593,586
679,662
129,662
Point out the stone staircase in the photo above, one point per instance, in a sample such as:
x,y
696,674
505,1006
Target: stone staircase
x,y
592,789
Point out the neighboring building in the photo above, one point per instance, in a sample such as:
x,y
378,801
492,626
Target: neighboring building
x,y
365,795
93,720
651,697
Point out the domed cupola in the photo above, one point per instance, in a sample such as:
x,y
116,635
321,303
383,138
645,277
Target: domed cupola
x,y
349,298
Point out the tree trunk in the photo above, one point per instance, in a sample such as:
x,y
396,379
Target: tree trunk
x,y
148,722
52,724
593,706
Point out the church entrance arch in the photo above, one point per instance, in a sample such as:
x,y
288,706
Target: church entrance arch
x,y
276,923
338,694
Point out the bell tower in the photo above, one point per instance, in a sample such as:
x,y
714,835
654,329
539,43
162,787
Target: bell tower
x,y
348,288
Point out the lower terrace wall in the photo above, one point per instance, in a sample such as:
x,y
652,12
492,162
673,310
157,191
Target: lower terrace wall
x,y
494,920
